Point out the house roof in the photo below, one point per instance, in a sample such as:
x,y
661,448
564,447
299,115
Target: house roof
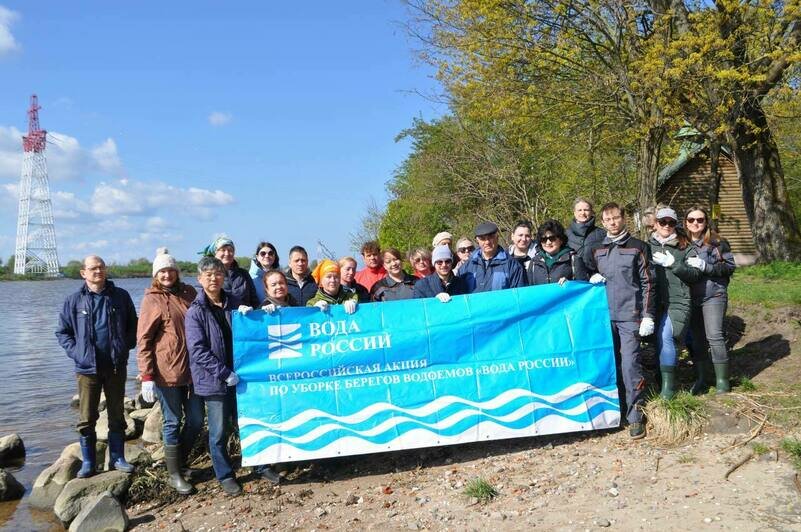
x,y
692,144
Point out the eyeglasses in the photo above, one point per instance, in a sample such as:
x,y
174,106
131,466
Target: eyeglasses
x,y
444,261
419,259
549,238
95,269
268,253
699,220
669,222
468,249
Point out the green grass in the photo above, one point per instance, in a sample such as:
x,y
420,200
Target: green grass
x,y
686,459
793,447
744,384
759,448
481,490
773,285
683,407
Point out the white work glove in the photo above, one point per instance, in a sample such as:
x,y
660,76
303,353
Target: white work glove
x,y
232,380
350,306
444,297
697,262
244,309
597,278
664,259
562,281
646,327
322,305
149,391
269,308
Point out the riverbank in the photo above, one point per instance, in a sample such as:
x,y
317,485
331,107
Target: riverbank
x,y
566,482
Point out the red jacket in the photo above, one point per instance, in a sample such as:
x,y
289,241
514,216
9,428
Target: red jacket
x,y
370,276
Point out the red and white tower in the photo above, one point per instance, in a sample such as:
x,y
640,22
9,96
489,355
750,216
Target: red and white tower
x,y
36,235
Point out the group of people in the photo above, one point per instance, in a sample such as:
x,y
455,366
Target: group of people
x,y
672,287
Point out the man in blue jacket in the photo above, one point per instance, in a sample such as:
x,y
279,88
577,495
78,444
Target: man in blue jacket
x,y
97,328
490,267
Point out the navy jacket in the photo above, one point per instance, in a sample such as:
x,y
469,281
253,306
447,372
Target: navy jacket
x,y
206,345
568,265
720,267
431,285
583,238
304,294
501,271
239,284
76,333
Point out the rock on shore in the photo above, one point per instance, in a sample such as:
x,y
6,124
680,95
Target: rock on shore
x,y
101,512
10,488
51,481
153,425
77,493
11,449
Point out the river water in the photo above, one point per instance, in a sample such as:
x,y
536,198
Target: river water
x,y
37,382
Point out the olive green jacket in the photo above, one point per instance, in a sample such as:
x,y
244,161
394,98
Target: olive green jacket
x,y
342,296
673,284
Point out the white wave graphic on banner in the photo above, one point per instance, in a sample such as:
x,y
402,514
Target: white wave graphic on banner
x,y
418,438
445,423
429,408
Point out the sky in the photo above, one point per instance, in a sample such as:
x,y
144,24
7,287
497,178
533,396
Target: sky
x,y
171,122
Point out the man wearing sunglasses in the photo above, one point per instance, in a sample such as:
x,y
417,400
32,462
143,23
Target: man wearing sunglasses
x,y
490,267
441,284
624,264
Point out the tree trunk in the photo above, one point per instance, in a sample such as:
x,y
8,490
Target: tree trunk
x,y
650,146
776,234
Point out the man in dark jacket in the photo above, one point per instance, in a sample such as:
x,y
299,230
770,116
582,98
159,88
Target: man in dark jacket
x,y
97,328
624,264
490,267
441,284
583,236
299,281
209,340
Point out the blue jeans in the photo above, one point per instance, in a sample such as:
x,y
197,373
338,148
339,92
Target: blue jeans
x,y
664,341
180,403
219,409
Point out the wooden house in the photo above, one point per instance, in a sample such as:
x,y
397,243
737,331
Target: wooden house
x,y
688,181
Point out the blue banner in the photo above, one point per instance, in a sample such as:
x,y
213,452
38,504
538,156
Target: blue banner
x,y
421,373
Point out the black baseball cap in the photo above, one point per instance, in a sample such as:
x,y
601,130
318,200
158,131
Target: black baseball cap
x,y
486,228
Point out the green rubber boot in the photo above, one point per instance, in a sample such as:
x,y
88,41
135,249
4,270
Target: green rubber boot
x,y
668,382
722,383
700,386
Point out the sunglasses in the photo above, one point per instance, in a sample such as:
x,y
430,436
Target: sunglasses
x,y
269,253
445,261
468,249
419,259
549,238
696,220
667,222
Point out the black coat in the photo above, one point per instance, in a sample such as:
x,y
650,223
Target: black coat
x,y
568,265
583,238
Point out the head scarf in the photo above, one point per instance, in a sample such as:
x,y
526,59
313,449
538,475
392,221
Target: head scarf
x,y
219,242
324,267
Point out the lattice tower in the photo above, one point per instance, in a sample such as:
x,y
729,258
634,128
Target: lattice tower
x,y
36,234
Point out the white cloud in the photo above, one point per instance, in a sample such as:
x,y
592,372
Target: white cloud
x,y
10,152
218,118
106,158
8,43
129,197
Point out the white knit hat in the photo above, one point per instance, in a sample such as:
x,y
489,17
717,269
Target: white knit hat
x,y
439,237
163,260
441,253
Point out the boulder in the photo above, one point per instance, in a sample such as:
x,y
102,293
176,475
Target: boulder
x,y
12,450
101,512
153,424
52,480
157,454
76,401
74,449
140,414
77,493
102,404
101,428
10,488
129,404
134,455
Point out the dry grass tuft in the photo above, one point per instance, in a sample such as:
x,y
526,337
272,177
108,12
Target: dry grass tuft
x,y
671,423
